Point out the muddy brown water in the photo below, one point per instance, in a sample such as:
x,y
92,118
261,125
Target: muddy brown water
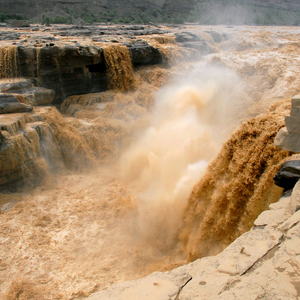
x,y
159,174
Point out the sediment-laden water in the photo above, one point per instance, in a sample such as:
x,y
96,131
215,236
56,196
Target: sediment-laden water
x,y
166,167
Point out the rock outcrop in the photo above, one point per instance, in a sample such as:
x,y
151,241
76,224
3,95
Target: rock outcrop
x,y
10,104
19,95
261,264
20,161
9,35
288,138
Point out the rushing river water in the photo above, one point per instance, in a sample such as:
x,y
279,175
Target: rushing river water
x,y
149,184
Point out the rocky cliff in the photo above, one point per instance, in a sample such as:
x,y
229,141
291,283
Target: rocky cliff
x,y
75,60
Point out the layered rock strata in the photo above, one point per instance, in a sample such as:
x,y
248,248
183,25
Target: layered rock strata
x,y
21,163
19,95
70,59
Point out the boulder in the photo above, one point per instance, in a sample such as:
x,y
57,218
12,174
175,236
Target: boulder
x,y
295,112
144,54
287,141
76,33
153,31
7,98
41,96
8,108
182,37
21,91
8,35
292,124
202,47
280,136
218,37
288,174
296,101
134,27
15,85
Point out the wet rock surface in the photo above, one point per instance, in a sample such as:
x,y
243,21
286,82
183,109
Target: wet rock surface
x,y
70,60
10,104
144,54
19,95
9,35
20,163
182,37
288,175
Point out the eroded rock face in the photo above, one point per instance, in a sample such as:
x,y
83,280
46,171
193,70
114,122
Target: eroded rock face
x,y
19,95
144,54
76,69
20,160
67,69
70,59
10,104
288,138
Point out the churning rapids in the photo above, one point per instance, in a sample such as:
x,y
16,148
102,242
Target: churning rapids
x,y
173,164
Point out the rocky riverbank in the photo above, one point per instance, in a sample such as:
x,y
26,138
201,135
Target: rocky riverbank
x,y
261,264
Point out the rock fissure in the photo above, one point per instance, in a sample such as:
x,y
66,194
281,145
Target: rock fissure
x,y
180,289
268,255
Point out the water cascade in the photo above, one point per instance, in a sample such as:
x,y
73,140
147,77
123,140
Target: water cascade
x,y
236,187
118,62
9,62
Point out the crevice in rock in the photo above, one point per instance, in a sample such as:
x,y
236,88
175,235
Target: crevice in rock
x,y
97,68
229,285
180,289
269,254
